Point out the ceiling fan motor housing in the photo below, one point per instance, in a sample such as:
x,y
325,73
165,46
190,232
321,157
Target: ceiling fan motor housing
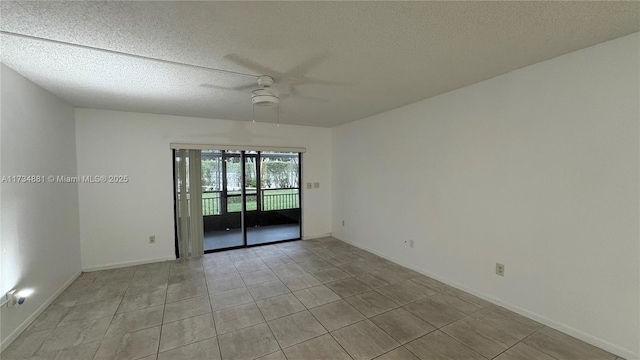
x,y
265,81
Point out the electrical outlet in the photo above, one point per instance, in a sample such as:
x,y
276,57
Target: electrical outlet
x,y
316,185
309,186
499,269
411,243
342,222
152,239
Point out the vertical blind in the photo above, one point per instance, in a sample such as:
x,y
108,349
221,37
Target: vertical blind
x,y
189,202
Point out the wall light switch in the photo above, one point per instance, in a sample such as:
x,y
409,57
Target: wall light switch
x,y
10,298
316,185
309,186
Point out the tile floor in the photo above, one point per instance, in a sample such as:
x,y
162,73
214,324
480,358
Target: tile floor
x,y
318,299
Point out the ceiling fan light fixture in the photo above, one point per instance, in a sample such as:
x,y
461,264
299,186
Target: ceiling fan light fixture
x,y
263,97
265,100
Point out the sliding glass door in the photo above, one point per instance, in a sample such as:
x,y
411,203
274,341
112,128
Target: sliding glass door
x,y
222,199
249,198
273,197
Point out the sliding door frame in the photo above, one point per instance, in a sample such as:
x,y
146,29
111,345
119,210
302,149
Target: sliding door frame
x,y
243,198
223,201
258,202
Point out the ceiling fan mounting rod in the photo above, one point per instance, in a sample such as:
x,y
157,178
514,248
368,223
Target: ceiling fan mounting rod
x,y
8,33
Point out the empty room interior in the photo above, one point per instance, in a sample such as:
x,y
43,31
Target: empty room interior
x,y
320,180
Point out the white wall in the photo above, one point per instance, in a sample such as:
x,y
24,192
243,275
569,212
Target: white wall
x,y
40,244
116,219
536,169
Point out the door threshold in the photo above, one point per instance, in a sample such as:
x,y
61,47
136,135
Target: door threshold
x,y
249,246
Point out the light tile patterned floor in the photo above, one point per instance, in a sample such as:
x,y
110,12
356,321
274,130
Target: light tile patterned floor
x,y
318,299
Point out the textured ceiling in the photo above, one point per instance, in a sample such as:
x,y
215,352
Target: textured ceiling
x,y
335,61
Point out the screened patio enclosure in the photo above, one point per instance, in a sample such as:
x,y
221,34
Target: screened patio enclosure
x,y
248,197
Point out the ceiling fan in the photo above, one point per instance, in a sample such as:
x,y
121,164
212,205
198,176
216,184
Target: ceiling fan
x,y
264,95
269,92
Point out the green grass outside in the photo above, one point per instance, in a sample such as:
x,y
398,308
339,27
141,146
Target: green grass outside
x,y
234,203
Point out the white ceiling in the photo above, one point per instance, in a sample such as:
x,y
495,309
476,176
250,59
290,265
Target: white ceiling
x,y
349,60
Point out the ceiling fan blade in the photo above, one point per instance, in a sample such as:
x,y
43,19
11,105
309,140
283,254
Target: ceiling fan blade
x,y
285,97
211,86
295,93
251,65
313,81
301,70
246,88
293,90
312,99
237,102
243,88
298,74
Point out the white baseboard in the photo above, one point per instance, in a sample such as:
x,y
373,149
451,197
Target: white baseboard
x,y
316,236
590,339
9,339
126,263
